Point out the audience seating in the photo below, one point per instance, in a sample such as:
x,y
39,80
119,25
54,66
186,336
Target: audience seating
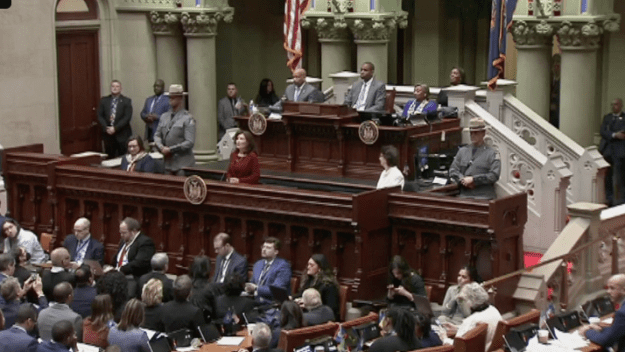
x,y
290,339
443,348
373,316
389,105
343,291
46,240
504,326
472,341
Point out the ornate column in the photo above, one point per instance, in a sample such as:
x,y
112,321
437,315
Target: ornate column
x,y
534,40
334,38
200,30
170,61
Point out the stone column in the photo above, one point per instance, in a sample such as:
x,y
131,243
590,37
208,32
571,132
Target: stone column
x,y
170,58
335,52
457,97
342,81
534,44
200,29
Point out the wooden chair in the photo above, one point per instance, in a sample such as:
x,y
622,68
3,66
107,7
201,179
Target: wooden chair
x,y
443,348
472,341
343,291
504,326
373,316
290,339
389,105
428,292
47,241
294,285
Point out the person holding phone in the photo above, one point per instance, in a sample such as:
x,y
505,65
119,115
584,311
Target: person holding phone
x,y
403,283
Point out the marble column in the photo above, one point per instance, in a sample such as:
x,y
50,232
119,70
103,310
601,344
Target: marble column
x,y
200,29
534,42
335,51
170,58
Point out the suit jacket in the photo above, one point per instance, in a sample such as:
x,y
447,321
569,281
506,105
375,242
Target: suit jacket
x,y
83,297
161,105
123,114
168,284
95,249
308,94
139,255
55,313
146,164
614,334
9,310
484,166
180,315
278,274
50,279
236,265
17,340
392,343
49,346
376,97
319,315
226,113
178,133
611,147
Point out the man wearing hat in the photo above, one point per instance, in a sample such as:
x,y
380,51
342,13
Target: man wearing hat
x,y
476,167
175,134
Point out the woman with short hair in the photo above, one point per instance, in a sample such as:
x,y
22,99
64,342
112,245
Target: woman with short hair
x,y
391,176
421,103
152,296
244,167
137,159
128,334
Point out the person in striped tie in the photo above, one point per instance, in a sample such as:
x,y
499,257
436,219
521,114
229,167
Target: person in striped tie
x,y
114,114
269,271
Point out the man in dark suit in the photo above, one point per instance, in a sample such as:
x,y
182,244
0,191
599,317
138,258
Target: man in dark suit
x,y
614,335
17,338
84,293
269,271
180,313
612,147
81,245
316,313
228,260
114,114
135,249
367,94
302,91
63,338
60,271
160,265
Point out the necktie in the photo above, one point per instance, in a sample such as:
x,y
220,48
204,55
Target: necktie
x,y
121,258
360,104
113,110
297,91
221,275
261,279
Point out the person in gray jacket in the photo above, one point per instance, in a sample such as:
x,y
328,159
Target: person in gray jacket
x,y
63,295
228,107
175,135
367,94
477,166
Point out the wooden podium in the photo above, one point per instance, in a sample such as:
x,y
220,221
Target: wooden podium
x,y
323,139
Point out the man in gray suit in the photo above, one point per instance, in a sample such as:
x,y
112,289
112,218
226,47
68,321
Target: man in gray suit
x,y
175,135
302,91
367,94
63,295
228,107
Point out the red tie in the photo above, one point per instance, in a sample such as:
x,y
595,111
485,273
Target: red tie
x,y
617,306
121,258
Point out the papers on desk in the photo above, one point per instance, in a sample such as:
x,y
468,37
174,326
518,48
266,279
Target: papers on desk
x,y
187,349
230,340
608,320
439,181
566,342
275,116
87,348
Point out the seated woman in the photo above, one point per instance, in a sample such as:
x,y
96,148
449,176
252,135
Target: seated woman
x,y
398,328
320,276
244,167
456,77
137,159
291,317
426,336
452,311
391,176
127,334
95,328
232,299
114,283
266,94
152,296
16,236
404,282
475,297
420,104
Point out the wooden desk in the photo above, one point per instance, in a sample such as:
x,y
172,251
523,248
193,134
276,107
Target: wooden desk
x,y
214,347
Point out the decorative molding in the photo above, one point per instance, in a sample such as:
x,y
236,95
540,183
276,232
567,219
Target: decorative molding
x,y
328,29
376,29
204,24
580,35
532,33
164,23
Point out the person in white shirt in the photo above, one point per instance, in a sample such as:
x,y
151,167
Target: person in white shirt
x,y
391,176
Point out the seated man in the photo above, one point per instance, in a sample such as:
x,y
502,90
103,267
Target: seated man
x,y
84,293
300,91
228,107
81,245
17,338
228,260
367,94
317,313
269,271
12,294
180,313
614,334
60,271
160,265
476,167
63,338
49,317
135,249
261,339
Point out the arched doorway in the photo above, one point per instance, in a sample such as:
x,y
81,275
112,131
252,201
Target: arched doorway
x,y
78,65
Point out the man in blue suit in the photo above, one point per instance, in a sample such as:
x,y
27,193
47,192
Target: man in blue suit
x,y
63,338
612,147
17,339
228,261
81,245
613,335
269,271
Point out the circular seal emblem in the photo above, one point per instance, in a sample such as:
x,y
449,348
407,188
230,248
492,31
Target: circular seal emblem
x,y
368,132
195,189
257,124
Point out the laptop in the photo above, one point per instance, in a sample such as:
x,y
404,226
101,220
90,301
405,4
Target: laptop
x,y
181,338
209,333
279,294
160,345
516,339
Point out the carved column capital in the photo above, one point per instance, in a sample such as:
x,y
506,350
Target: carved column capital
x,y
328,29
532,33
204,24
375,29
164,23
585,35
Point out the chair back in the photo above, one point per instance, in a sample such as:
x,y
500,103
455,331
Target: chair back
x,y
472,341
389,105
371,317
443,348
428,292
504,326
343,290
47,241
290,339
294,285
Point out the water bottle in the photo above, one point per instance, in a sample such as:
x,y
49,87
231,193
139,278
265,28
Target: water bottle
x,y
252,107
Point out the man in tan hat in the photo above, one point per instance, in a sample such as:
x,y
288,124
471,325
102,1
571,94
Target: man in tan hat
x,y
175,134
476,167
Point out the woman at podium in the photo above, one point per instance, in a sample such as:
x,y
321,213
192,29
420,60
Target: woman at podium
x,y
391,176
244,167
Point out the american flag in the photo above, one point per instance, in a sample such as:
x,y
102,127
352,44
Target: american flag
x,y
293,10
